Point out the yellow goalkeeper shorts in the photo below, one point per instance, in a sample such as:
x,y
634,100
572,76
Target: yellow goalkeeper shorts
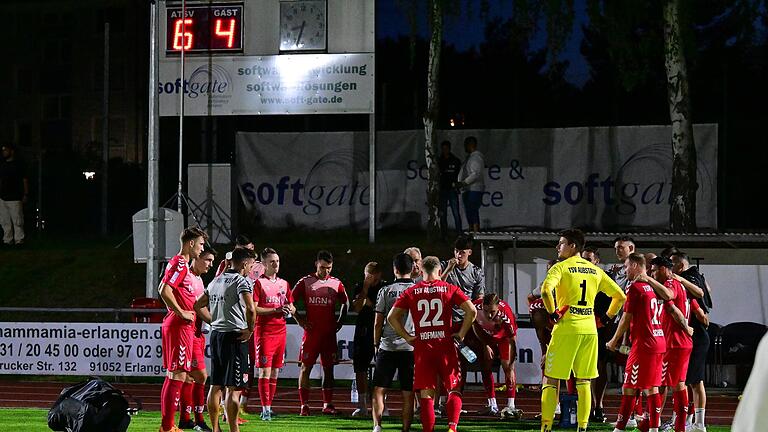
x,y
572,352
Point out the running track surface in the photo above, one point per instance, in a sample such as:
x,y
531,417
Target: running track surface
x,y
27,394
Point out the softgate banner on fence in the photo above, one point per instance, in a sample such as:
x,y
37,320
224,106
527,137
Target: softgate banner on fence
x,y
597,178
115,349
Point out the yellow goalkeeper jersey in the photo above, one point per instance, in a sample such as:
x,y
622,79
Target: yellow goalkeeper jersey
x,y
576,282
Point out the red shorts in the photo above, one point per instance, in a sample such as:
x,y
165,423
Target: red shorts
x,y
318,344
675,366
643,370
198,353
270,350
431,364
177,342
503,347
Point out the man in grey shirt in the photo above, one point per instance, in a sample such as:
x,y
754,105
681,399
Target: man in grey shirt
x,y
227,304
394,353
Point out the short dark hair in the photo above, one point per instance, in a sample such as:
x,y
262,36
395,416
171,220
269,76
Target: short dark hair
x,y
267,251
592,249
624,238
208,251
490,299
9,146
470,140
242,240
574,236
445,143
241,254
403,263
463,242
324,255
668,252
638,258
681,255
662,261
191,233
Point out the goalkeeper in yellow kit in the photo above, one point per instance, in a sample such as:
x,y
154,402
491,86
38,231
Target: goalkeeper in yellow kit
x,y
574,338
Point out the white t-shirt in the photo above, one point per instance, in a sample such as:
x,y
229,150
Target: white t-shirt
x,y
750,415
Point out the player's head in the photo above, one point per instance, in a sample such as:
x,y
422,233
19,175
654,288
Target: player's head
x,y
271,261
649,256
242,260
445,148
323,264
415,254
373,269
571,243
491,305
470,144
431,268
242,241
623,246
402,265
661,267
591,254
635,265
667,252
204,262
680,262
8,150
192,241
462,249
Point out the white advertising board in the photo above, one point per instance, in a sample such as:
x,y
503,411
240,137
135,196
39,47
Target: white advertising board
x,y
135,350
256,85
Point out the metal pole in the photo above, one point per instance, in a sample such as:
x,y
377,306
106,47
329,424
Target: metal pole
x,y
179,191
105,138
153,156
372,166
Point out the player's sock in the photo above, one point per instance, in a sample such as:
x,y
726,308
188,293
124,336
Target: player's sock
x,y
654,410
453,410
303,396
584,405
699,417
625,410
488,384
198,398
548,405
681,409
264,391
327,396
185,402
272,390
169,398
511,402
639,405
427,414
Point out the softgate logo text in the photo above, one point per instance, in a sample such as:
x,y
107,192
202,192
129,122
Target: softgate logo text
x,y
623,196
311,199
204,81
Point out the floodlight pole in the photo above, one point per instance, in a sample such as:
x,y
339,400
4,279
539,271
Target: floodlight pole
x,y
180,191
153,156
105,139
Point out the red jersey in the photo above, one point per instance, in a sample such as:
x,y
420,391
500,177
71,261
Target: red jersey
x,y
271,293
180,278
320,297
500,326
431,304
646,328
676,335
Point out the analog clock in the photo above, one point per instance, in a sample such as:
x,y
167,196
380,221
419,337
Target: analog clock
x,y
303,25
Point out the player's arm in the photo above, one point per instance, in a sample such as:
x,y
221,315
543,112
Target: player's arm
x,y
548,287
250,315
394,319
361,299
166,293
470,312
201,308
479,288
608,286
699,313
378,326
299,314
679,318
344,307
662,291
693,289
448,268
481,334
618,337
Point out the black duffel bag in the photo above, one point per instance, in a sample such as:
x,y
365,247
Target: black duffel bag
x,y
91,406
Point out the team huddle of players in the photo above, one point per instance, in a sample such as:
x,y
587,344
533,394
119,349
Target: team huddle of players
x,y
422,321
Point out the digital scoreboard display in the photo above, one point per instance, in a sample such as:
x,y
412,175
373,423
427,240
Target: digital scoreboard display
x,y
203,29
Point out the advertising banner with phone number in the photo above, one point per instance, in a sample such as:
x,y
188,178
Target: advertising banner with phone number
x,y
122,349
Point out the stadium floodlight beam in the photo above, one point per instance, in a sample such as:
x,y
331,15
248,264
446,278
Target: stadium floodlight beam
x,y
153,156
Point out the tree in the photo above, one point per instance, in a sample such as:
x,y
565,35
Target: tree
x,y
432,114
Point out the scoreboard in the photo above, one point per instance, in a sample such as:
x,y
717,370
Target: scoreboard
x,y
204,29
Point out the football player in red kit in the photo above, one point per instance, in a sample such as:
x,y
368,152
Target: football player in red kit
x,y
430,303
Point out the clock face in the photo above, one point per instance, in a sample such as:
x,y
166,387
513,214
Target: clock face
x,y
303,25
